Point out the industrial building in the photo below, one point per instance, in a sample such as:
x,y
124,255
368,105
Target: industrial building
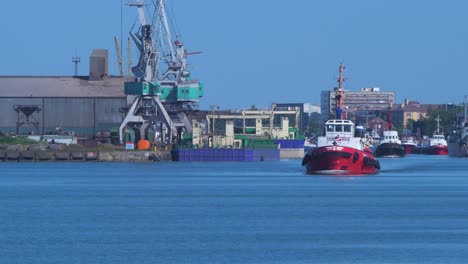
x,y
301,118
85,106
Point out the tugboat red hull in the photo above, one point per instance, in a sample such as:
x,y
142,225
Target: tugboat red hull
x,y
340,160
438,150
409,148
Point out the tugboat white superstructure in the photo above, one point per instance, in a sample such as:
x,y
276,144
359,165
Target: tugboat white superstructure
x,y
390,146
342,149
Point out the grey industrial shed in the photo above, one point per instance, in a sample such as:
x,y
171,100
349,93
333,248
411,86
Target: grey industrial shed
x,y
70,103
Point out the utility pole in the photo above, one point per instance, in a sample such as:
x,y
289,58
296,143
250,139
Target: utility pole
x,y
367,117
76,60
119,57
213,107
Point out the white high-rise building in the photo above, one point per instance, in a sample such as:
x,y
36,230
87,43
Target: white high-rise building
x,y
365,100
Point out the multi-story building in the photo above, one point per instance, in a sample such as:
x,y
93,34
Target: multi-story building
x,y
358,104
413,110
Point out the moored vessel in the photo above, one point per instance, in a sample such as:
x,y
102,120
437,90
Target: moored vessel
x,y
457,142
409,144
458,139
437,143
390,144
342,149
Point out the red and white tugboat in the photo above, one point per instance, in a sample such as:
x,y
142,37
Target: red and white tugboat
x,y
437,143
342,150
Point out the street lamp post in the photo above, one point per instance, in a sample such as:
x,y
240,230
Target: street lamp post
x,y
213,107
367,117
358,113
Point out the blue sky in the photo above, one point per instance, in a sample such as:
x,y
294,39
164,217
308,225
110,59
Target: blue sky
x,y
259,52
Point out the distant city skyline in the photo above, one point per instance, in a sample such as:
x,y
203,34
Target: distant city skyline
x,y
257,55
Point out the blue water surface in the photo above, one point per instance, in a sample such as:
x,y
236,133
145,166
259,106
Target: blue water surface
x,y
414,211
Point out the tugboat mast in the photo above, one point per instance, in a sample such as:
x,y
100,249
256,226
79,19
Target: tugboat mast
x,y
390,121
438,124
465,112
340,94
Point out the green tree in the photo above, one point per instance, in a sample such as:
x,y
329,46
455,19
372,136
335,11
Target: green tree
x,y
399,128
447,118
253,108
409,124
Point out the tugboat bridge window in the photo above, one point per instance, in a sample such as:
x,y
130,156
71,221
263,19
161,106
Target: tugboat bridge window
x,y
339,128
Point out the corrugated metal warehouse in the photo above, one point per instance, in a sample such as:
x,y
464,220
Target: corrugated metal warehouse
x,y
70,103
84,105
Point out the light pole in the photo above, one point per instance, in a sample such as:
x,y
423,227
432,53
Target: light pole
x,y
213,107
353,111
358,113
367,117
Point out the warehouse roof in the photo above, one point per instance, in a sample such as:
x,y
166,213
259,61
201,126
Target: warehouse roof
x,y
60,86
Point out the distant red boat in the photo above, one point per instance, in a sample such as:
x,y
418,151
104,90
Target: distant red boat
x,y
437,143
408,143
438,150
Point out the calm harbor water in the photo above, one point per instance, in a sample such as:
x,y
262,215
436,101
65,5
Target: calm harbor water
x,y
414,211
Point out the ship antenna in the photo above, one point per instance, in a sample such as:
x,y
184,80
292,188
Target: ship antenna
x,y
340,94
438,120
464,117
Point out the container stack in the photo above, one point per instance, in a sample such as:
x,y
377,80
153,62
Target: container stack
x,y
224,154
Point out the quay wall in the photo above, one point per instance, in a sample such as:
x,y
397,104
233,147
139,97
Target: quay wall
x,y
137,156
292,153
47,155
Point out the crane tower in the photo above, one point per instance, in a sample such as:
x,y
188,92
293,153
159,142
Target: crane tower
x,y
163,90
